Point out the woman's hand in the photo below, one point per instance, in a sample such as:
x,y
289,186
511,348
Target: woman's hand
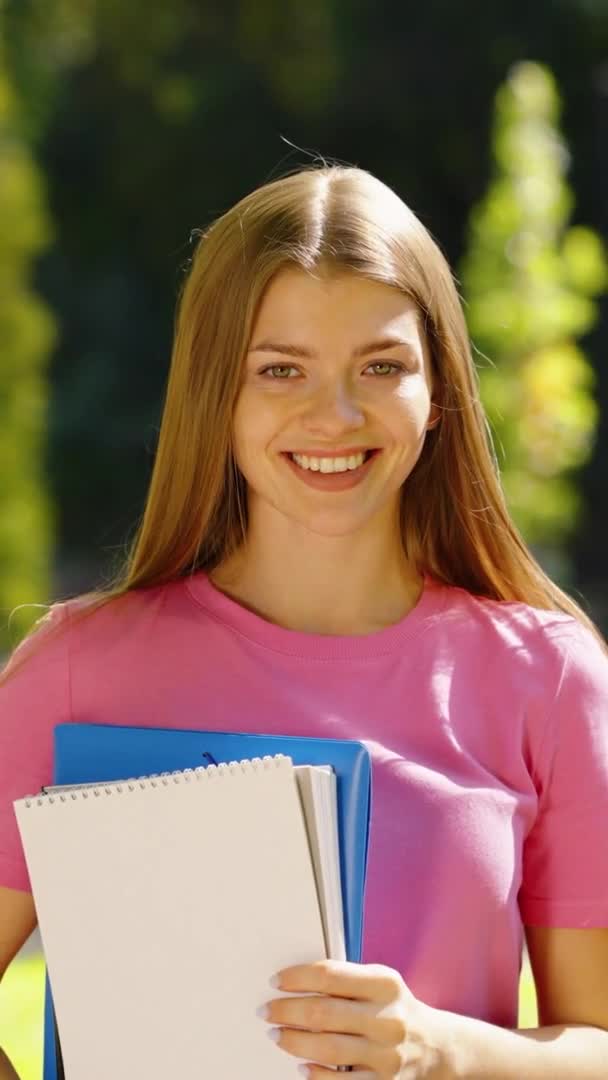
x,y
365,1016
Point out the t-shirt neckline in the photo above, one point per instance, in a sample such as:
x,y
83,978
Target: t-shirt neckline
x,y
318,646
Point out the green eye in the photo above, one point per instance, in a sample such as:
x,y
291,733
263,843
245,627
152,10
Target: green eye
x,y
277,367
385,364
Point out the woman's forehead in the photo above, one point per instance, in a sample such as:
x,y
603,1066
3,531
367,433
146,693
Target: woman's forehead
x,y
295,297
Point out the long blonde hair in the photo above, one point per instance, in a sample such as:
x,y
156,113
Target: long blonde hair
x,y
455,523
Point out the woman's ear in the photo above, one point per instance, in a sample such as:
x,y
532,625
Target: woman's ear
x,y
434,416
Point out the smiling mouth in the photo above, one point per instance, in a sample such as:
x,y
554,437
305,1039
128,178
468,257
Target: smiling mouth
x,y
318,470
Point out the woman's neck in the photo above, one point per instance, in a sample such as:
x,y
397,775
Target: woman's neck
x,y
345,593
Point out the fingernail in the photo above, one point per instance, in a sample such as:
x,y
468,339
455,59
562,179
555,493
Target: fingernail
x,y
262,1011
275,981
304,1070
274,1034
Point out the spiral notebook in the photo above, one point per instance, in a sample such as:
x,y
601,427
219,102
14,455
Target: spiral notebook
x,y
165,903
105,752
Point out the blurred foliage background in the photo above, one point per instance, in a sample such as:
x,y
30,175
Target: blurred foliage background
x,y
125,127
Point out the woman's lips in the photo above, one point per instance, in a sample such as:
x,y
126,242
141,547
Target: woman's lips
x,y
341,481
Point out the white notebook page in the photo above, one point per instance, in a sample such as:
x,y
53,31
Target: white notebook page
x,y
164,910
318,791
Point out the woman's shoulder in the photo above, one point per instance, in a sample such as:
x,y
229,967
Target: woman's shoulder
x,y
521,629
92,620
94,615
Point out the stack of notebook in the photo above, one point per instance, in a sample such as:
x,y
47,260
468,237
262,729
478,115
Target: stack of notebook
x,y
166,901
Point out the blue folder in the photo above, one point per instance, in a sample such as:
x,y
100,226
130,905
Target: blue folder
x,y
86,753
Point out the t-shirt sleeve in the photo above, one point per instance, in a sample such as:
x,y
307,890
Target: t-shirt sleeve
x,y
565,860
34,697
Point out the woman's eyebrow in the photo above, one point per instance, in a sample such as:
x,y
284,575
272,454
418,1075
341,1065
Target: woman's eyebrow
x,y
360,350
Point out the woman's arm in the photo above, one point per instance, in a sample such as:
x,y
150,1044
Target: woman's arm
x,y
17,920
366,1015
7,1071
570,970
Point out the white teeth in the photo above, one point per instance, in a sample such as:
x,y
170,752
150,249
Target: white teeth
x,y
329,465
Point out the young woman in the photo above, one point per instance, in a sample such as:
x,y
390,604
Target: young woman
x,y
326,551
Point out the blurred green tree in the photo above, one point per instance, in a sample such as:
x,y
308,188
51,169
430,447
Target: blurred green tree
x,y
27,332
529,281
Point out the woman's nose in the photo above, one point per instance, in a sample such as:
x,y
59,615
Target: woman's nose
x,y
333,409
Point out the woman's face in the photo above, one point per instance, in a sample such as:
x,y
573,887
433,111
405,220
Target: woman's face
x,y
335,367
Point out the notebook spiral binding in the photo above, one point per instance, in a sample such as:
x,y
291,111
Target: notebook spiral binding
x,y
230,768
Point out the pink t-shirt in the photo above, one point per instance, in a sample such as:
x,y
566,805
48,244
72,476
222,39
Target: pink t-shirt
x,y
487,724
